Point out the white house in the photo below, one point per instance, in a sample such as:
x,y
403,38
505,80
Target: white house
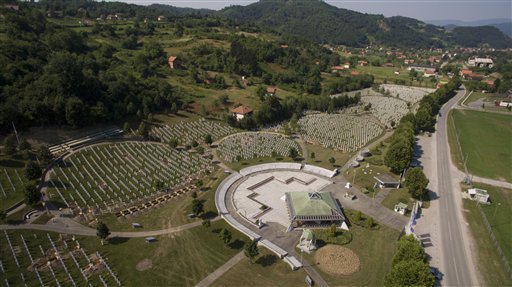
x,y
480,195
241,112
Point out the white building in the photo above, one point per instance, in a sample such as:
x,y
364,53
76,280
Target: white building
x,y
480,62
480,195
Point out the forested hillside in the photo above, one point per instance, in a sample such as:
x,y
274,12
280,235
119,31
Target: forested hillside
x,y
320,22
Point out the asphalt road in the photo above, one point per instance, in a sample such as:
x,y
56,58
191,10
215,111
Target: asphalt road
x,y
455,256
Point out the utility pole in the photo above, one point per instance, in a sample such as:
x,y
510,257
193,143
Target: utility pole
x,y
15,133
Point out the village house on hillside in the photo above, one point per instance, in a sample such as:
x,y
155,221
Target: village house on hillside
x,y
241,112
174,62
271,91
480,62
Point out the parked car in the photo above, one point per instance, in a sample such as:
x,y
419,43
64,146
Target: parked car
x,y
438,275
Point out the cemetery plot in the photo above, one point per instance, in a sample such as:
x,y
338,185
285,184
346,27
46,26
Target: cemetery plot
x,y
41,259
386,109
339,131
108,176
409,94
12,182
187,132
255,144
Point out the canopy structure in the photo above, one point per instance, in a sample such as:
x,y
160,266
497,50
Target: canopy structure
x,y
313,209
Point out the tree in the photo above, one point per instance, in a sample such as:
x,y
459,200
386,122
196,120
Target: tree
x,y
32,195
398,156
408,249
173,143
206,223
24,145
32,170
294,122
369,223
194,143
143,130
416,181
44,155
251,250
174,108
197,206
200,150
293,153
102,231
76,112
225,236
312,155
208,139
9,145
409,273
332,230
332,160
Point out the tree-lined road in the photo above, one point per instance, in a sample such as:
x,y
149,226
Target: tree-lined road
x,y
458,264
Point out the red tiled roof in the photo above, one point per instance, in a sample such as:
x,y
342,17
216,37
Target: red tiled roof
x,y
242,110
172,58
271,90
337,68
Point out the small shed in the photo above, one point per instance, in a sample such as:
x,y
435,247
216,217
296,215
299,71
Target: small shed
x,y
480,195
401,208
365,152
150,239
387,181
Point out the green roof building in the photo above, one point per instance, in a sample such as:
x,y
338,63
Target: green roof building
x,y
313,209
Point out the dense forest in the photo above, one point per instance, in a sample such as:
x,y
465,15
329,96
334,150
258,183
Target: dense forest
x,y
50,75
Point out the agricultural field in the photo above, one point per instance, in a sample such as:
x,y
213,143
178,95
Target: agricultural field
x,y
485,138
33,258
255,145
107,176
187,132
387,109
339,131
408,94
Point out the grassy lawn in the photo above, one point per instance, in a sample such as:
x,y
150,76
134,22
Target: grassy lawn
x,y
489,263
501,224
398,195
375,249
474,97
11,171
388,73
173,213
486,139
267,270
181,259
322,156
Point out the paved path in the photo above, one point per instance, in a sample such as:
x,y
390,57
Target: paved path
x,y
208,280
489,181
368,206
66,225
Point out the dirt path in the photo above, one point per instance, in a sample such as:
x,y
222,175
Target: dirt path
x,y
208,280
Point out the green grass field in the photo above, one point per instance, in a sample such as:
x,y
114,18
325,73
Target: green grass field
x,y
375,249
499,214
266,270
322,156
180,259
398,195
388,73
486,138
489,262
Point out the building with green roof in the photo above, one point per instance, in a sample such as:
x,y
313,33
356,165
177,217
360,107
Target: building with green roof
x,y
313,209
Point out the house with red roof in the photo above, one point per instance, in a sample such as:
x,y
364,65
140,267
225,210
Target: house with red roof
x,y
271,91
174,62
241,112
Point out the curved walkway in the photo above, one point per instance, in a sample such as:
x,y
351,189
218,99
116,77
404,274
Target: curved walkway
x,y
66,225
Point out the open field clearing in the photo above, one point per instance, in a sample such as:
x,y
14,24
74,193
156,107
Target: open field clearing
x,y
485,139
